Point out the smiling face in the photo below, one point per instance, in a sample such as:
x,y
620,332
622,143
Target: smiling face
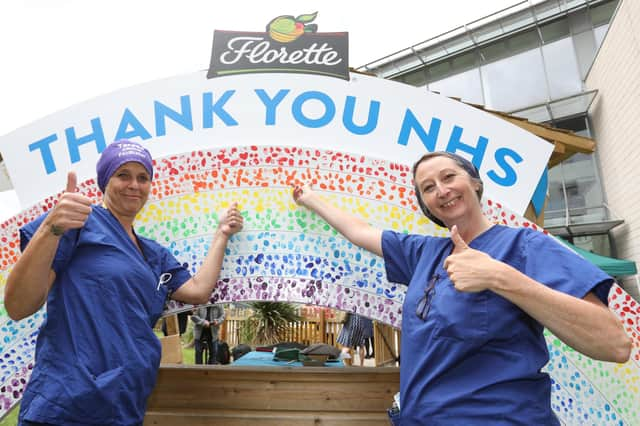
x,y
127,190
448,191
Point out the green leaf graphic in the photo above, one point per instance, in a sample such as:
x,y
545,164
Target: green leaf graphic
x,y
307,18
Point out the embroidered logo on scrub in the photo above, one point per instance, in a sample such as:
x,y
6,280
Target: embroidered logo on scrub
x,y
164,279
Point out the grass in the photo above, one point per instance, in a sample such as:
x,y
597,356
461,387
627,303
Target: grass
x,y
11,419
188,354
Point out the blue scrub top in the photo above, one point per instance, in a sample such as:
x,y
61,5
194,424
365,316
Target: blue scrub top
x,y
477,358
97,355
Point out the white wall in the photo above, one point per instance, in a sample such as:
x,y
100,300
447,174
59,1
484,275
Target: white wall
x,y
615,116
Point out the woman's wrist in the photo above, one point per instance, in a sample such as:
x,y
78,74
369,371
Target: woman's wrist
x,y
50,228
221,234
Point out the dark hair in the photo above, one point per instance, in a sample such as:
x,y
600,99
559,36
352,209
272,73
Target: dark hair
x,y
463,163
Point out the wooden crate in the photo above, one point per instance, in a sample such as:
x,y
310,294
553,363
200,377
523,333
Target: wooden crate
x,y
233,396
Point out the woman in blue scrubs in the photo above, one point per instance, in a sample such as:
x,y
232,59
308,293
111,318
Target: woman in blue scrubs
x,y
105,287
477,303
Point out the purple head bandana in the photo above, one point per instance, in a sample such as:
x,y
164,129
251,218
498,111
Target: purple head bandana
x,y
116,154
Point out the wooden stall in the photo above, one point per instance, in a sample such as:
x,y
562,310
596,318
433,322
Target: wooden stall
x,y
272,396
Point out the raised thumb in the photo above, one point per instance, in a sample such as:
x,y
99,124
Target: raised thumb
x,y
72,182
457,239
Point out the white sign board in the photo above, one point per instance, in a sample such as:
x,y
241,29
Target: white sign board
x,y
367,116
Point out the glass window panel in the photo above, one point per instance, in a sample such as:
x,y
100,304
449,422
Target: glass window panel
x,y
555,30
599,244
416,78
575,3
464,62
547,9
465,86
439,70
602,13
457,44
537,114
487,32
554,213
515,83
517,21
575,124
599,33
562,69
432,53
523,41
571,106
387,64
407,63
584,192
579,21
494,51
585,46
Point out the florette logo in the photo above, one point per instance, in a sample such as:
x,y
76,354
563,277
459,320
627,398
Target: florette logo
x,y
289,45
286,28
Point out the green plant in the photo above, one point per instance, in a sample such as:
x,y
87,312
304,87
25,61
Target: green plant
x,y
11,418
269,322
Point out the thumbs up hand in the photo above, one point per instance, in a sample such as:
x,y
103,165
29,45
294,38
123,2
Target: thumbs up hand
x,y
302,194
71,210
470,270
232,221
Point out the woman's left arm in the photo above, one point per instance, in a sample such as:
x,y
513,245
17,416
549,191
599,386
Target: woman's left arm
x,y
587,324
197,290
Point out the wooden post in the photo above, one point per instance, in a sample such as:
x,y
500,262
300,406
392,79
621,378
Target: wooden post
x,y
222,335
172,325
171,345
385,342
322,324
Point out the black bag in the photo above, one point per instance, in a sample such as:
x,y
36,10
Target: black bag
x,y
322,349
240,350
223,355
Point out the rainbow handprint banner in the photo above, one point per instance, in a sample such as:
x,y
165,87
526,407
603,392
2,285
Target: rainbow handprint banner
x,y
358,157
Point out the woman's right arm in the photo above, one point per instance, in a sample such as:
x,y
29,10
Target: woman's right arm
x,y
351,227
32,276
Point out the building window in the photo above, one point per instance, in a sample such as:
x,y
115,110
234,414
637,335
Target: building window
x,y
574,186
466,86
561,66
602,13
598,244
555,30
416,78
515,82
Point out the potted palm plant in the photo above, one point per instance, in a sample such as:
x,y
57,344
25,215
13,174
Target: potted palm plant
x,y
269,322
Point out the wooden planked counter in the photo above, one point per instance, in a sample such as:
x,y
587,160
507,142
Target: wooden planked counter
x,y
271,396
